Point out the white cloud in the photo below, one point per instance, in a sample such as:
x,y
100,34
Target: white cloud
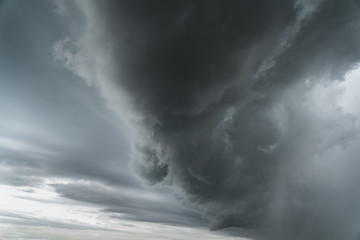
x,y
40,213
23,147
351,98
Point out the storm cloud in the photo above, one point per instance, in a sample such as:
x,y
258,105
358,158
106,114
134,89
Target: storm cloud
x,y
234,105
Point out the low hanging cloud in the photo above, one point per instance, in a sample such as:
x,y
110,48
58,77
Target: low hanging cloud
x,y
235,105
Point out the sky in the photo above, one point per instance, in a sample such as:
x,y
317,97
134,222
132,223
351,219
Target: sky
x,y
183,119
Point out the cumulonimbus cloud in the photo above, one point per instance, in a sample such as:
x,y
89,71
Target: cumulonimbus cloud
x,y
235,105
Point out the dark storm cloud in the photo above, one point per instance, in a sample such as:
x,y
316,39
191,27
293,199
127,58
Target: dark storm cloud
x,y
229,105
54,128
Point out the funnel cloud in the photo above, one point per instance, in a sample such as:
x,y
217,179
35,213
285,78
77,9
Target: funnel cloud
x,y
237,106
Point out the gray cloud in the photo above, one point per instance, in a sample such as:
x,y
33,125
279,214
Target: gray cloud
x,y
233,104
129,203
50,124
28,164
19,219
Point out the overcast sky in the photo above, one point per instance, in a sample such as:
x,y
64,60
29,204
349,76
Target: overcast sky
x,y
180,119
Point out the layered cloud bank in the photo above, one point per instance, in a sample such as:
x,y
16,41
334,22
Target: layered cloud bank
x,y
239,106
